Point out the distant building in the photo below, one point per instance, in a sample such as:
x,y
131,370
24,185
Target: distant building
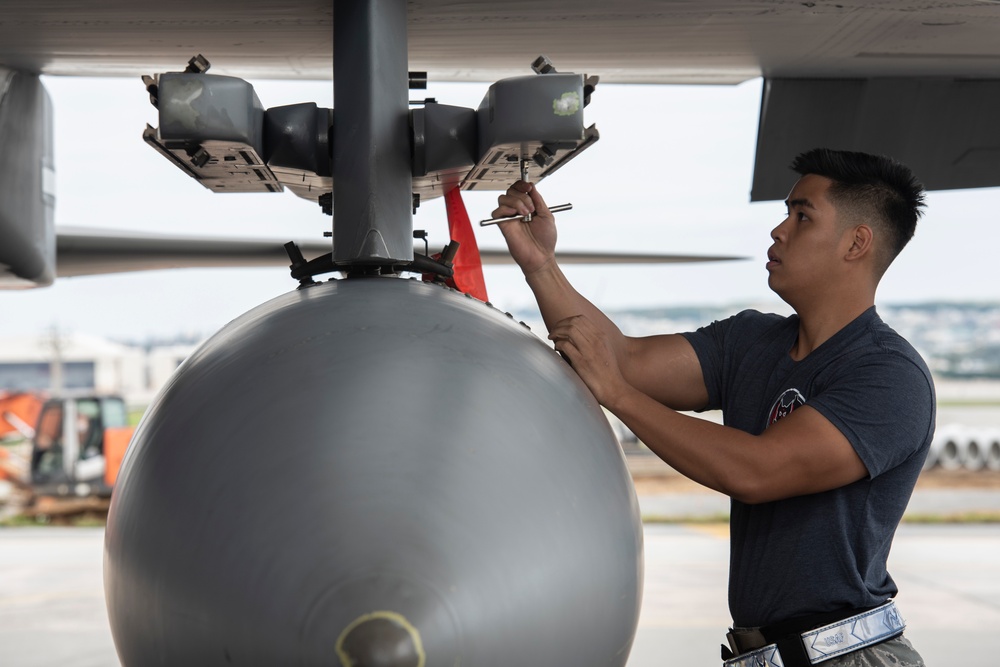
x,y
82,362
163,360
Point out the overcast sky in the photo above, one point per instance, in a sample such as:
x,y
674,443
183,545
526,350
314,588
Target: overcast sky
x,y
671,173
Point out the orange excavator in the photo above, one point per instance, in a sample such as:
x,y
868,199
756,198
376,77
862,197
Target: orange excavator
x,y
77,445
19,413
18,416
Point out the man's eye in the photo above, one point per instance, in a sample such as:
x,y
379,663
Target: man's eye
x,y
801,216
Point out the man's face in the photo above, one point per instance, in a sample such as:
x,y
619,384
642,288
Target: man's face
x,y
804,259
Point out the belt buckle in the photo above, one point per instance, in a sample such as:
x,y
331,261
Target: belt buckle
x,y
742,640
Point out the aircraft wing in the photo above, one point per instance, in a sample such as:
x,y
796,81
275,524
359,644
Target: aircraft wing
x,y
84,251
916,80
628,41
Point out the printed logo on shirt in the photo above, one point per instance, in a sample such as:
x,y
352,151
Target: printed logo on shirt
x,y
785,405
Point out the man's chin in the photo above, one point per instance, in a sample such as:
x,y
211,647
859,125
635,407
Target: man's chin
x,y
775,286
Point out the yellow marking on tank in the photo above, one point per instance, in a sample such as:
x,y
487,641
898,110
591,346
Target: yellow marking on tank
x,y
393,616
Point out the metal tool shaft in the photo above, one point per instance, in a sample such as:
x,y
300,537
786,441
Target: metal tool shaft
x,y
523,218
524,177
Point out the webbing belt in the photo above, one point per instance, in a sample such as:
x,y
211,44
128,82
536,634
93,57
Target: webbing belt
x,y
829,641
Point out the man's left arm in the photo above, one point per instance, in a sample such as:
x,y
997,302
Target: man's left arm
x,y
803,453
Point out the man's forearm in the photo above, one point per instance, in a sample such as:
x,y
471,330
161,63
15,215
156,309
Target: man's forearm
x,y
713,455
800,454
558,299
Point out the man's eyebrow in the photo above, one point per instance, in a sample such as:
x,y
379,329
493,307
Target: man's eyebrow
x,y
796,203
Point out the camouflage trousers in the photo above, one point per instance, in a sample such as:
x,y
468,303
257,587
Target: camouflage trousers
x,y
897,652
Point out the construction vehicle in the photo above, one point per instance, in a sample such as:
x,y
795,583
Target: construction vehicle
x,y
77,445
19,413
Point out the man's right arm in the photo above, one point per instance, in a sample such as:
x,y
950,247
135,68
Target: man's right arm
x,y
666,367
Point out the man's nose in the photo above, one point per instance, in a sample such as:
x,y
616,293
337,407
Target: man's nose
x,y
779,230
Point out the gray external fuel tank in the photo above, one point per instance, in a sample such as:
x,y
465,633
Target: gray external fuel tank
x,y
374,472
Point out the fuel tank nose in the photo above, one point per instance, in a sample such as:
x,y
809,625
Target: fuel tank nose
x,y
374,471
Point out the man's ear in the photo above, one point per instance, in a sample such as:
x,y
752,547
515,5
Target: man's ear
x,y
862,240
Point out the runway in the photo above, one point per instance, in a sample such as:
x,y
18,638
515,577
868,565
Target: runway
x,y
52,611
948,576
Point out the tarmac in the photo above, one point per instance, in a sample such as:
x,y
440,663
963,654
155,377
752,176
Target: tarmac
x,y
940,495
947,572
52,610
926,504
948,576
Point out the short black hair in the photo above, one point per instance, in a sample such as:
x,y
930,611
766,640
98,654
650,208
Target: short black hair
x,y
877,187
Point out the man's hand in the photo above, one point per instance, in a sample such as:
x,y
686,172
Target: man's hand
x,y
592,355
531,244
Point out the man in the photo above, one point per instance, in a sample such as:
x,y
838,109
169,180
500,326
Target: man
x,y
829,413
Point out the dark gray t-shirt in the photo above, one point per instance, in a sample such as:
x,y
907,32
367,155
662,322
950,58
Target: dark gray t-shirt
x,y
825,551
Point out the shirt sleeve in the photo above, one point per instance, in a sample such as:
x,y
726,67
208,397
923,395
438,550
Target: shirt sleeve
x,y
884,406
709,343
721,344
